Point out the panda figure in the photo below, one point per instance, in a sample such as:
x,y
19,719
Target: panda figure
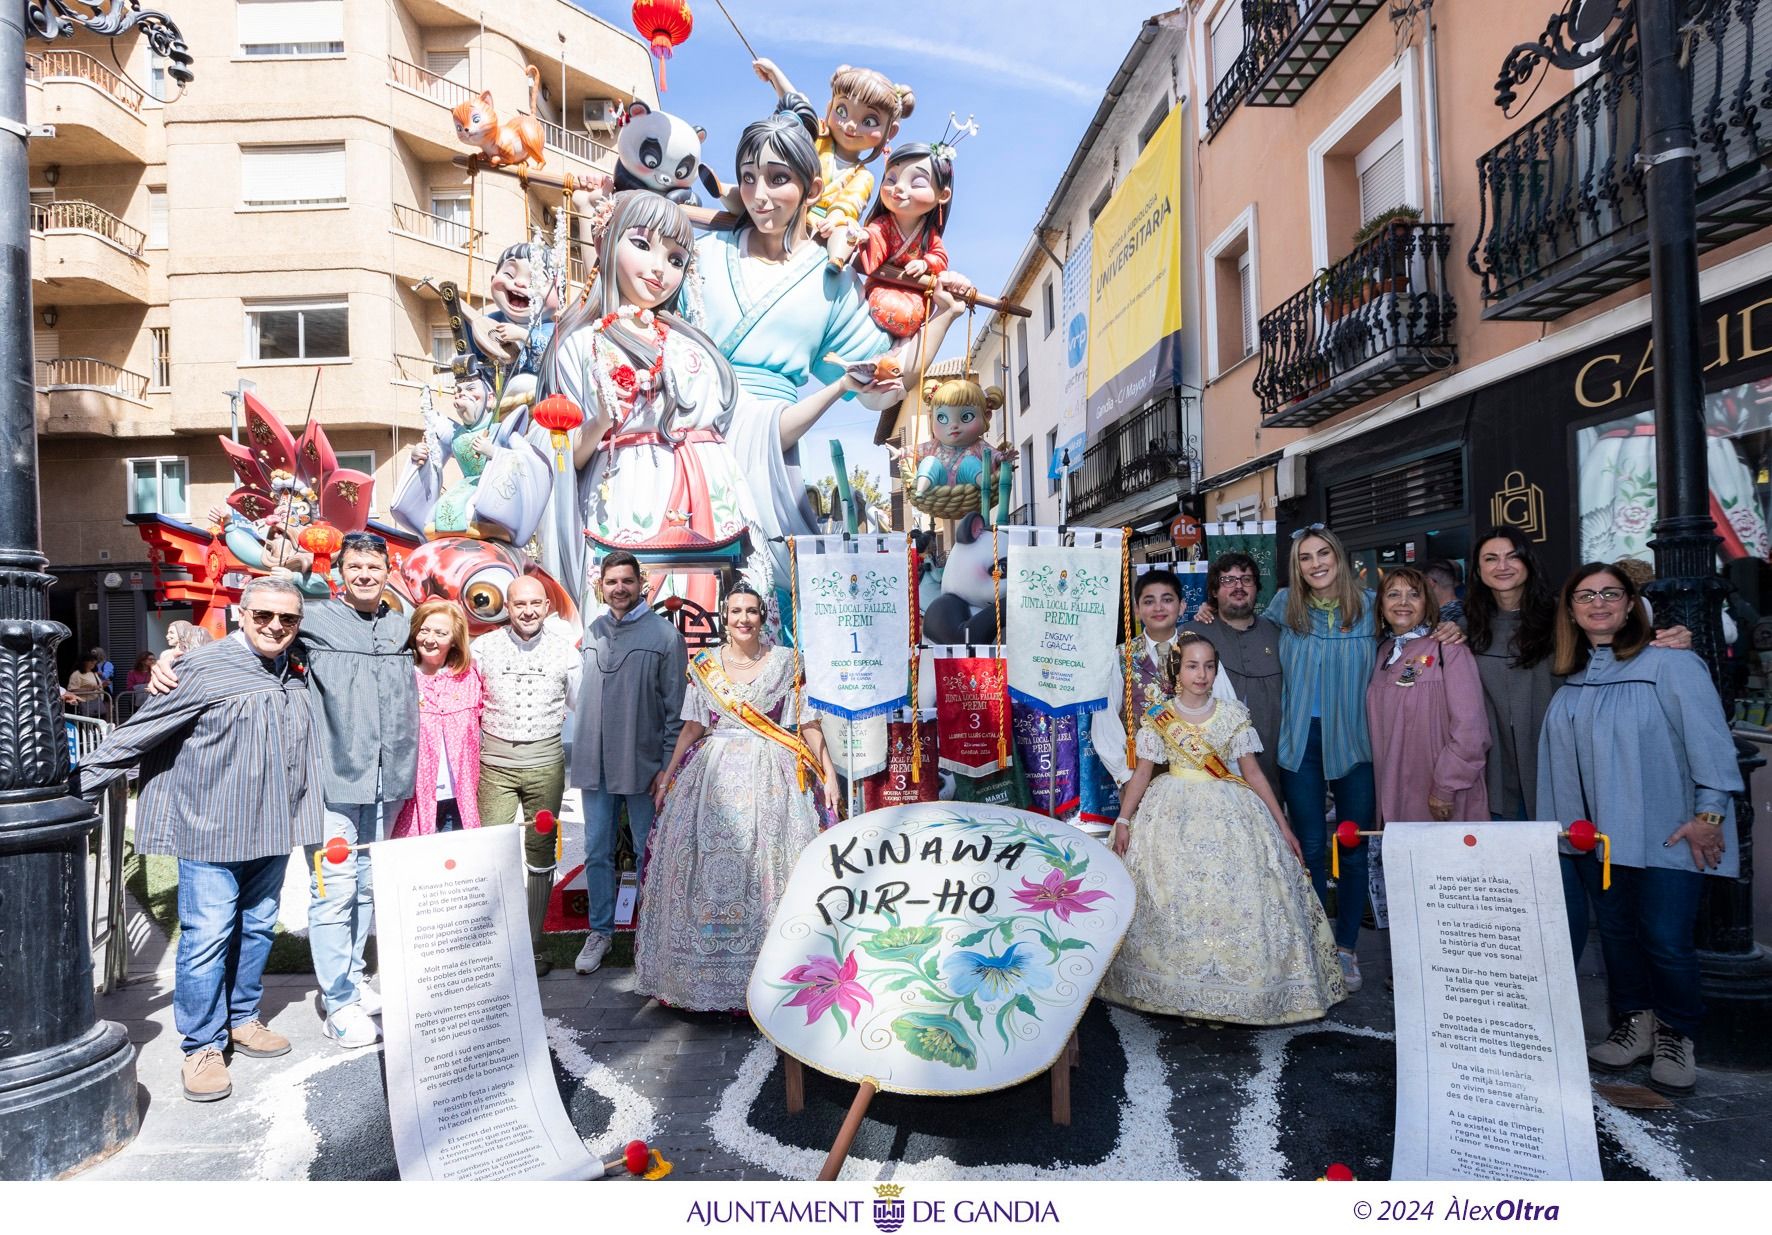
x,y
661,153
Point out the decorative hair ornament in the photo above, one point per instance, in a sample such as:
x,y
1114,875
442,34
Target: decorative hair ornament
x,y
957,131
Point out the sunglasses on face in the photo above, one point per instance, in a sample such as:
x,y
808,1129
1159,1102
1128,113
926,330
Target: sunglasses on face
x,y
266,617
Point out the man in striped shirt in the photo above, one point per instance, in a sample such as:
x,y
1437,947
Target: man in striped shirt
x,y
230,784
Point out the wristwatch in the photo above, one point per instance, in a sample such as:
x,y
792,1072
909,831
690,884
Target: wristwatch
x,y
1709,816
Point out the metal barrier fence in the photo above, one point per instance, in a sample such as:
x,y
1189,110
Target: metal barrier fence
x,y
104,864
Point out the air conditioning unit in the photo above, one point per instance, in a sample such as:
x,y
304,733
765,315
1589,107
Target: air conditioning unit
x,y
601,114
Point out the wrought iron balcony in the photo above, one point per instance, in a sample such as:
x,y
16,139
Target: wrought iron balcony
x,y
1286,45
1376,320
1137,452
1563,220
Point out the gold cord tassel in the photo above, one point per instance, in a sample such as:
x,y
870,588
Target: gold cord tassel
x,y
1126,601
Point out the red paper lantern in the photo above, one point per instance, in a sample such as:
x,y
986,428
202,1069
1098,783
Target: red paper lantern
x,y
666,24
322,540
1348,833
559,416
1583,835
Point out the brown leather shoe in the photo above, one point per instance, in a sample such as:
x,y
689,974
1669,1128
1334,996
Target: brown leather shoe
x,y
255,1040
206,1076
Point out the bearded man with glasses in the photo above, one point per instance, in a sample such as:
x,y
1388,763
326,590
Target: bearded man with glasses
x,y
1248,647
230,784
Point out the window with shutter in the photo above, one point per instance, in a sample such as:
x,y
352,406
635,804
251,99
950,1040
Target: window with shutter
x,y
47,344
1246,288
290,27
162,374
298,330
1227,39
292,175
449,65
1380,168
157,218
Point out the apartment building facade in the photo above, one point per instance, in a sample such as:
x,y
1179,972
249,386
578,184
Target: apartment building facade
x,y
272,225
1450,297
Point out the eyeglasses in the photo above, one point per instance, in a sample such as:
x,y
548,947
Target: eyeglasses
x,y
1236,580
1588,596
266,617
1302,532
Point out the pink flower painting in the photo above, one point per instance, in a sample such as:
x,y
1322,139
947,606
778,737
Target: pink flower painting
x,y
824,984
1056,894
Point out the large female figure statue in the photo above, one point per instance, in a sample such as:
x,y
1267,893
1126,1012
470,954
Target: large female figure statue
x,y
665,462
782,317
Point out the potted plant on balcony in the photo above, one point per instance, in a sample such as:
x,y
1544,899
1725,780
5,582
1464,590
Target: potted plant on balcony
x,y
1385,239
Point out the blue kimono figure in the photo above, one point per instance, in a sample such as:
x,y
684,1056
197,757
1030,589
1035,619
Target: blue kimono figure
x,y
1639,746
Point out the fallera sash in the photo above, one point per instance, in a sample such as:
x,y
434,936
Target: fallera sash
x,y
1192,750
705,665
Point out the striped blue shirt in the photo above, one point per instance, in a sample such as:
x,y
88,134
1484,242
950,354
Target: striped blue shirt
x,y
1326,672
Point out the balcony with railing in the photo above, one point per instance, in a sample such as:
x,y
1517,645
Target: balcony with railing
x,y
1376,320
1563,218
80,394
1286,46
1022,515
1133,456
83,254
424,243
97,113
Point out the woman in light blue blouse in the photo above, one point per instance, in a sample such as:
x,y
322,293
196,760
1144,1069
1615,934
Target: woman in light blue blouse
x,y
1327,649
1636,741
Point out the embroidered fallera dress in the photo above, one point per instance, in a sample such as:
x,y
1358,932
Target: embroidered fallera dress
x,y
733,824
1227,926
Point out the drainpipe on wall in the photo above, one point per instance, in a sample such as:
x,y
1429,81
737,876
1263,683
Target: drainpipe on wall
x,y
1430,91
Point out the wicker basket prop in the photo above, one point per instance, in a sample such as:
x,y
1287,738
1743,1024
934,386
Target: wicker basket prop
x,y
960,416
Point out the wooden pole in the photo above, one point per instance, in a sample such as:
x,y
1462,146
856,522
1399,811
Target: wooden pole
x,y
794,1076
864,1094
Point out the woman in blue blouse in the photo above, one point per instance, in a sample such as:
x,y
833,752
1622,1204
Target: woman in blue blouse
x,y
1636,742
1327,648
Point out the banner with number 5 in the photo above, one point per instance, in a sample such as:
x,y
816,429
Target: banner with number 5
x,y
853,619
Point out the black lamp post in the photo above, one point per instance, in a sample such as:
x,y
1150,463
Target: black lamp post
x,y
1646,37
67,1079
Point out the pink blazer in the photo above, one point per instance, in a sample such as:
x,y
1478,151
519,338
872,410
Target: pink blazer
x,y
448,719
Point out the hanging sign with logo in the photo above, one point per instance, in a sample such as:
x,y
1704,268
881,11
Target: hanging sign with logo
x,y
854,622
1064,616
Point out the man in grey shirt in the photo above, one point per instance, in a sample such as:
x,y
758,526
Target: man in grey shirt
x,y
360,673
230,782
1248,647
630,710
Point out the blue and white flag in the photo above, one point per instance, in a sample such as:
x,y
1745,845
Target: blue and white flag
x,y
1063,616
853,622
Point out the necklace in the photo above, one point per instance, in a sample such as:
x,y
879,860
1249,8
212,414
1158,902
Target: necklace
x,y
1201,710
620,380
741,660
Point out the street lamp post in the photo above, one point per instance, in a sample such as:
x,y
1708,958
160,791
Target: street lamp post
x,y
67,1079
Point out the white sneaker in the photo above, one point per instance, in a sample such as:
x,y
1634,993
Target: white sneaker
x,y
350,1028
368,999
1350,970
590,957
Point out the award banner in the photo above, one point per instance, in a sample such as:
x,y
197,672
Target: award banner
x,y
853,622
895,785
1063,620
1492,1075
471,1092
858,747
972,711
1046,748
941,948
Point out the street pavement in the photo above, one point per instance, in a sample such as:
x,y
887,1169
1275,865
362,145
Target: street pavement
x,y
1153,1098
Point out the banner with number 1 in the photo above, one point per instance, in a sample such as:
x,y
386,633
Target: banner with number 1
x,y
853,622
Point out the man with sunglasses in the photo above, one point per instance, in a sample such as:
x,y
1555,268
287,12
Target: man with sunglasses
x,y
1248,647
230,784
360,672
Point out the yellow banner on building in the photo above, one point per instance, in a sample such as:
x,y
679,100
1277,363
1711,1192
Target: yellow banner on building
x,y
1135,283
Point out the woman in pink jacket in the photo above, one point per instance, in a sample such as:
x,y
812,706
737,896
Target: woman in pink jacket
x,y
1424,707
449,700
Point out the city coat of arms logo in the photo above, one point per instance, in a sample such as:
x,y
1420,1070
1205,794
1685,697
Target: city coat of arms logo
x,y
888,1207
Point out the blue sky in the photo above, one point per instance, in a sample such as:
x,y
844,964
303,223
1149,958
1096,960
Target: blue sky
x,y
1031,73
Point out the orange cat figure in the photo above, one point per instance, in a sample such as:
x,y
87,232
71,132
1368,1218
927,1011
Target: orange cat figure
x,y
517,141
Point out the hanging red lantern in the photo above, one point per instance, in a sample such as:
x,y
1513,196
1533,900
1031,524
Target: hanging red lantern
x,y
322,540
559,416
666,24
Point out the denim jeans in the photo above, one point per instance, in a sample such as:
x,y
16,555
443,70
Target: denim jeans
x,y
1648,935
448,815
600,809
1356,798
339,922
226,913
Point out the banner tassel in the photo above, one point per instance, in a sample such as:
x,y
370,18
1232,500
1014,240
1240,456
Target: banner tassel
x,y
1126,601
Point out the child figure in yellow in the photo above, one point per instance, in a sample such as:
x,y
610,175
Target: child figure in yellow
x,y
863,115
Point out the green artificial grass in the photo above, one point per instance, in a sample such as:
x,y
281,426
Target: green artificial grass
x,y
152,879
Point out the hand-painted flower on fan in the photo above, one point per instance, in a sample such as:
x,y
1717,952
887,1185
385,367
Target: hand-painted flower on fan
x,y
825,984
1056,894
995,977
